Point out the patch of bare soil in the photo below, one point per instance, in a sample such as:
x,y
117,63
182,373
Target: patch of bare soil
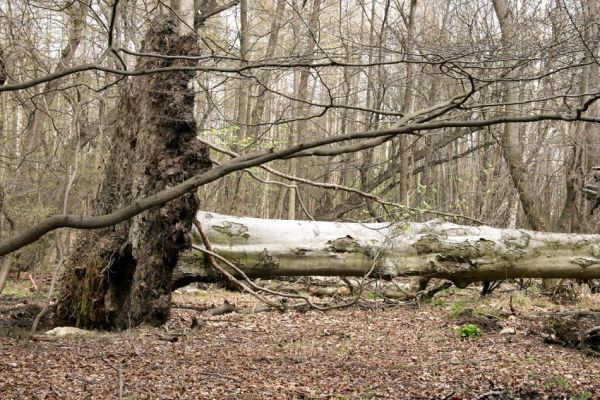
x,y
402,352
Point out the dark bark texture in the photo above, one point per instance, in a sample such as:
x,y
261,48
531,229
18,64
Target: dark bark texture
x,y
121,276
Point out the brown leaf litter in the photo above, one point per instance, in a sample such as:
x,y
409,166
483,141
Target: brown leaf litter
x,y
403,352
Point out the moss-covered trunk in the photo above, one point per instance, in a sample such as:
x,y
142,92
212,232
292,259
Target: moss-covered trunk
x,y
121,276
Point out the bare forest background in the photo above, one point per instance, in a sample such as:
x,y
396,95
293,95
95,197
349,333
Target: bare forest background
x,y
274,74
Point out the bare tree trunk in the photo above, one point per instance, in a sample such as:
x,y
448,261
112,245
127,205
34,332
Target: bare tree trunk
x,y
569,220
4,270
302,94
511,148
242,106
463,254
574,182
120,276
42,104
404,181
34,135
264,77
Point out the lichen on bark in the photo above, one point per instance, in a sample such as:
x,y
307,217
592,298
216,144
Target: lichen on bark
x,y
344,245
233,230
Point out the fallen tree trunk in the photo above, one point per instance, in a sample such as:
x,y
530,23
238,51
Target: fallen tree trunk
x,y
463,254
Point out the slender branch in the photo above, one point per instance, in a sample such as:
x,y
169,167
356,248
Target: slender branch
x,y
211,258
315,65
470,150
343,188
36,231
96,66
257,288
111,27
203,15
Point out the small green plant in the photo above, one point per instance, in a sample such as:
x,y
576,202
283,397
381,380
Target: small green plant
x,y
557,381
530,360
561,381
469,330
367,393
299,344
457,310
344,347
581,396
371,295
438,303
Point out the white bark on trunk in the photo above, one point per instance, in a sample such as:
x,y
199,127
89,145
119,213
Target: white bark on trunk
x,y
185,12
463,254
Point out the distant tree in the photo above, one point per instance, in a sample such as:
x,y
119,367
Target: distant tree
x,y
376,111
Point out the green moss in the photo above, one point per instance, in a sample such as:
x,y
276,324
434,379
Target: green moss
x,y
369,295
191,256
458,309
438,302
83,308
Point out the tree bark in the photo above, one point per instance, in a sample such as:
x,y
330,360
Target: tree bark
x,y
404,143
463,254
512,150
121,276
264,77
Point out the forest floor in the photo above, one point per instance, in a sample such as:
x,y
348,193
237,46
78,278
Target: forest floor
x,y
407,351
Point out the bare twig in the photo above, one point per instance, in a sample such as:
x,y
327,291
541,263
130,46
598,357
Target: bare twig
x,y
357,292
334,186
211,257
305,149
119,371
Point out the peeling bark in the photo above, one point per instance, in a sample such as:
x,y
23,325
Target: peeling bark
x,y
462,254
